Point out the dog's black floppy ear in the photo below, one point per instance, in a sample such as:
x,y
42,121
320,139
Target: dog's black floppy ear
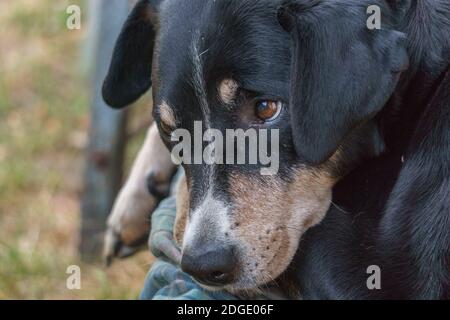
x,y
342,74
129,74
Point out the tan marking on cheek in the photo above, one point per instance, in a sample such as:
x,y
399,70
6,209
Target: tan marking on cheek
x,y
271,215
260,209
182,211
227,90
334,168
167,115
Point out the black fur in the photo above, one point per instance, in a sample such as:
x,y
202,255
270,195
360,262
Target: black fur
x,y
129,75
346,87
390,213
343,79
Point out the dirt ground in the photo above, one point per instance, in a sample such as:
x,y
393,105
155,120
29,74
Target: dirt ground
x,y
44,104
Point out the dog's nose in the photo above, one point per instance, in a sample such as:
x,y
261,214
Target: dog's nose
x,y
213,266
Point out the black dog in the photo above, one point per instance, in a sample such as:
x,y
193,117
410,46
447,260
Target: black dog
x,y
392,212
344,99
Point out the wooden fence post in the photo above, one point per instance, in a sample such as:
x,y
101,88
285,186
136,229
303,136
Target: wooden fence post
x,y
105,151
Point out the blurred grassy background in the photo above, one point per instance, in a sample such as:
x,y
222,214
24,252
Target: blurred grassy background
x,y
44,117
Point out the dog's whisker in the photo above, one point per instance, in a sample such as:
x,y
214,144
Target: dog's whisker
x,y
204,52
339,208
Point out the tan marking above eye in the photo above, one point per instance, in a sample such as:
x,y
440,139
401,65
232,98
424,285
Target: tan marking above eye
x,y
227,90
168,121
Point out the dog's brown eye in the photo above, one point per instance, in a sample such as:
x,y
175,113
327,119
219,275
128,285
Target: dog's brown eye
x,y
268,110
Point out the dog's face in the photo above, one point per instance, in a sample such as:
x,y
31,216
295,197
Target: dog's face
x,y
251,65
229,68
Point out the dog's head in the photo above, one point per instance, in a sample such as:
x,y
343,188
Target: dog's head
x,y
310,69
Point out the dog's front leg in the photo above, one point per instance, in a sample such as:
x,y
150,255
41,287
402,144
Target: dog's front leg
x,y
128,225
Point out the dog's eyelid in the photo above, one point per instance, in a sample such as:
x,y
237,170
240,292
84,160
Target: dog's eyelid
x,y
166,128
254,95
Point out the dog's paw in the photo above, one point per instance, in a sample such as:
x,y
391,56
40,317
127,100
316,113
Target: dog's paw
x,y
128,225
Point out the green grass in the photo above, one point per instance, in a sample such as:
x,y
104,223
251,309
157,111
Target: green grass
x,y
44,117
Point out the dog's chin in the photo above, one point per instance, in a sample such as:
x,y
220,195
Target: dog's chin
x,y
211,288
249,288
233,288
238,288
